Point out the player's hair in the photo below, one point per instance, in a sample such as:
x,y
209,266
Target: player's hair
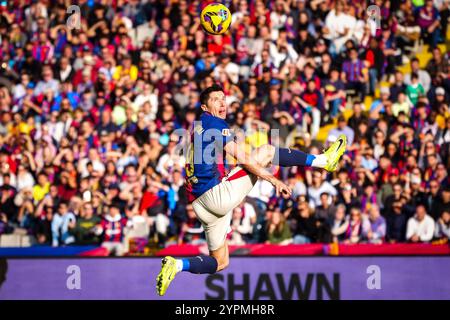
x,y
204,96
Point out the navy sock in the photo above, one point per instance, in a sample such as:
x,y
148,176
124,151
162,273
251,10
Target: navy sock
x,y
200,264
286,157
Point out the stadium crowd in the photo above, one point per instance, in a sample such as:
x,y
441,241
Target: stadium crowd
x,y
89,103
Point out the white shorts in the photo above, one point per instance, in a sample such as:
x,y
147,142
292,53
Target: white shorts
x,y
214,208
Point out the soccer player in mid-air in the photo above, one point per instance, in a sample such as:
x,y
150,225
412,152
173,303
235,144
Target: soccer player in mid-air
x,y
214,195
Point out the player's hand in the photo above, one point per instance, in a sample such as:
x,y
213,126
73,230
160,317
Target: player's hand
x,y
280,188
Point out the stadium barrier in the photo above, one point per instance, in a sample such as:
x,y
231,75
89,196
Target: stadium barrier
x,y
256,278
316,249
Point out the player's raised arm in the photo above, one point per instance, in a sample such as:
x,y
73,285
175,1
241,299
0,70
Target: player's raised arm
x,y
256,166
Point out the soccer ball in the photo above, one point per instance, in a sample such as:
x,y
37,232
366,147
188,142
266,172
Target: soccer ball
x,y
215,18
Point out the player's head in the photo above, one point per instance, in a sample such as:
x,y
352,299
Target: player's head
x,y
212,100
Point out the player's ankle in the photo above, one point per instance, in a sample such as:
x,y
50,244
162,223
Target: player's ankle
x,y
182,264
320,161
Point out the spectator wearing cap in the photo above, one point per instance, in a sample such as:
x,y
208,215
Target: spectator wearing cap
x,y
392,189
415,188
379,106
438,98
420,227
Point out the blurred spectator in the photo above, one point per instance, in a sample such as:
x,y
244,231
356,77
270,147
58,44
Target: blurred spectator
x,y
358,227
112,230
191,229
84,230
396,222
377,232
342,128
242,221
63,220
318,187
305,230
355,74
325,211
420,227
442,229
278,230
339,224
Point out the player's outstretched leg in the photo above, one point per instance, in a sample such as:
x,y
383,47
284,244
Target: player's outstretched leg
x,y
286,157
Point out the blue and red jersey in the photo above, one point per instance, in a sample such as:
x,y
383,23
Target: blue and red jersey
x,y
113,228
205,165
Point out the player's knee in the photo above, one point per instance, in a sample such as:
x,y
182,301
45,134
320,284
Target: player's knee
x,y
222,263
265,154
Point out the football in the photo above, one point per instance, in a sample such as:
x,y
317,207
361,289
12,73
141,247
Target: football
x,y
215,18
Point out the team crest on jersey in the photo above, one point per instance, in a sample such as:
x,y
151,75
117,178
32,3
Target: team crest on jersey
x,y
226,132
199,129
